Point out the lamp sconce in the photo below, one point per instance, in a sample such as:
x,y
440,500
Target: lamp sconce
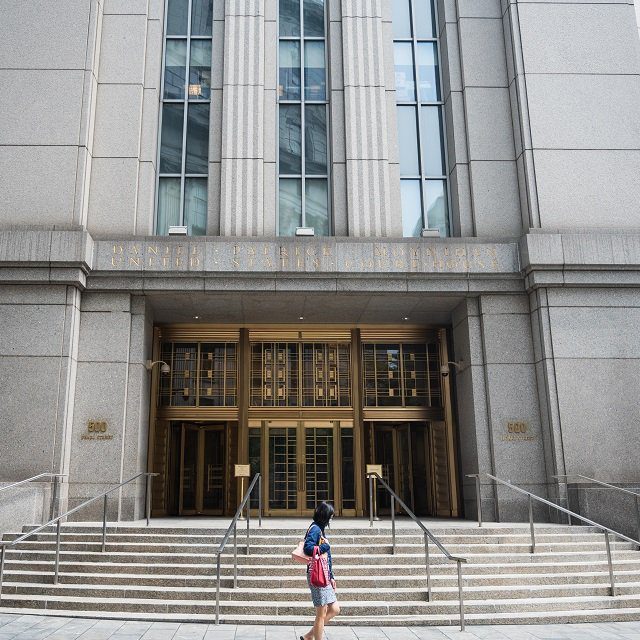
x,y
164,368
444,369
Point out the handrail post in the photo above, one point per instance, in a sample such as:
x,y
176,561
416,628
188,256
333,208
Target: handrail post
x,y
608,545
248,521
638,517
533,533
460,598
3,548
104,524
148,503
235,554
57,565
393,525
218,591
54,498
260,500
478,500
371,501
426,559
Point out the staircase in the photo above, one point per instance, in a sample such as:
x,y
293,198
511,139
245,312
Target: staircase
x,y
167,573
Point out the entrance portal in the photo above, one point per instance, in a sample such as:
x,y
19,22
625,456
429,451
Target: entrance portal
x,y
202,469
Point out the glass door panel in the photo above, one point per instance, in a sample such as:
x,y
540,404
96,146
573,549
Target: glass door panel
x,y
284,469
405,471
384,455
189,470
213,463
318,484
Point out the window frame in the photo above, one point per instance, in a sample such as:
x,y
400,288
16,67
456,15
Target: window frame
x,y
302,102
417,104
183,176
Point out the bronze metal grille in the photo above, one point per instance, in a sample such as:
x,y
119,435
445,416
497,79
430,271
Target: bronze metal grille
x,y
203,374
401,375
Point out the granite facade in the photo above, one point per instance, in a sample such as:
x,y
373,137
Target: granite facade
x,y
539,287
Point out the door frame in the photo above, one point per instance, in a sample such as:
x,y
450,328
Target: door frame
x,y
200,471
300,426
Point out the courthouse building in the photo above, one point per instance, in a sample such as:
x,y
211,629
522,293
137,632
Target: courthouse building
x,y
313,235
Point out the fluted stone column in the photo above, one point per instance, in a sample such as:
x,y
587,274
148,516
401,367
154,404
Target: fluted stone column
x,y
242,162
365,106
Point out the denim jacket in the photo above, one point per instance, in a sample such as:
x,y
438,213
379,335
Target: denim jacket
x,y
315,538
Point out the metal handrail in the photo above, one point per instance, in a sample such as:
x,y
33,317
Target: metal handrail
x,y
532,496
609,486
427,536
40,475
234,526
58,522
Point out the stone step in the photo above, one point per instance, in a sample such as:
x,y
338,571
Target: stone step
x,y
290,594
380,608
336,549
291,570
279,560
257,537
417,581
532,617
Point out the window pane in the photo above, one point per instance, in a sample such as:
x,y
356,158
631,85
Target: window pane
x,y
200,70
314,18
197,139
171,138
405,85
314,73
437,215
177,15
408,141
411,208
290,209
195,206
175,68
432,140
315,206
401,19
289,87
424,18
290,139
315,136
168,204
289,18
428,71
201,17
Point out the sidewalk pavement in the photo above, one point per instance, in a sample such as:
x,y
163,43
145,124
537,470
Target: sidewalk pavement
x,y
28,627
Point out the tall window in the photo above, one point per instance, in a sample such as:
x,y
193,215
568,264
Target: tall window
x,y
184,133
303,116
423,179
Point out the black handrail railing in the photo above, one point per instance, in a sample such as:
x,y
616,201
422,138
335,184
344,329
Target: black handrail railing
x,y
234,526
427,536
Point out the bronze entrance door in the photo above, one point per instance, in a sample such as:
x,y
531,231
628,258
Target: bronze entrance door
x,y
202,470
301,466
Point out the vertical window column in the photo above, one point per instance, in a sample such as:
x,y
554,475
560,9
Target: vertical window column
x,y
303,116
184,132
423,174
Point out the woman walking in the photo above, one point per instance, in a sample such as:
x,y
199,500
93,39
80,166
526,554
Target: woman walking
x,y
324,598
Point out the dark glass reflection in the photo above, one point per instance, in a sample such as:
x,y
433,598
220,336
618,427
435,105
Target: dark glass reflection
x,y
197,138
175,69
314,71
177,16
290,140
171,138
315,136
289,18
314,18
200,70
201,17
289,74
